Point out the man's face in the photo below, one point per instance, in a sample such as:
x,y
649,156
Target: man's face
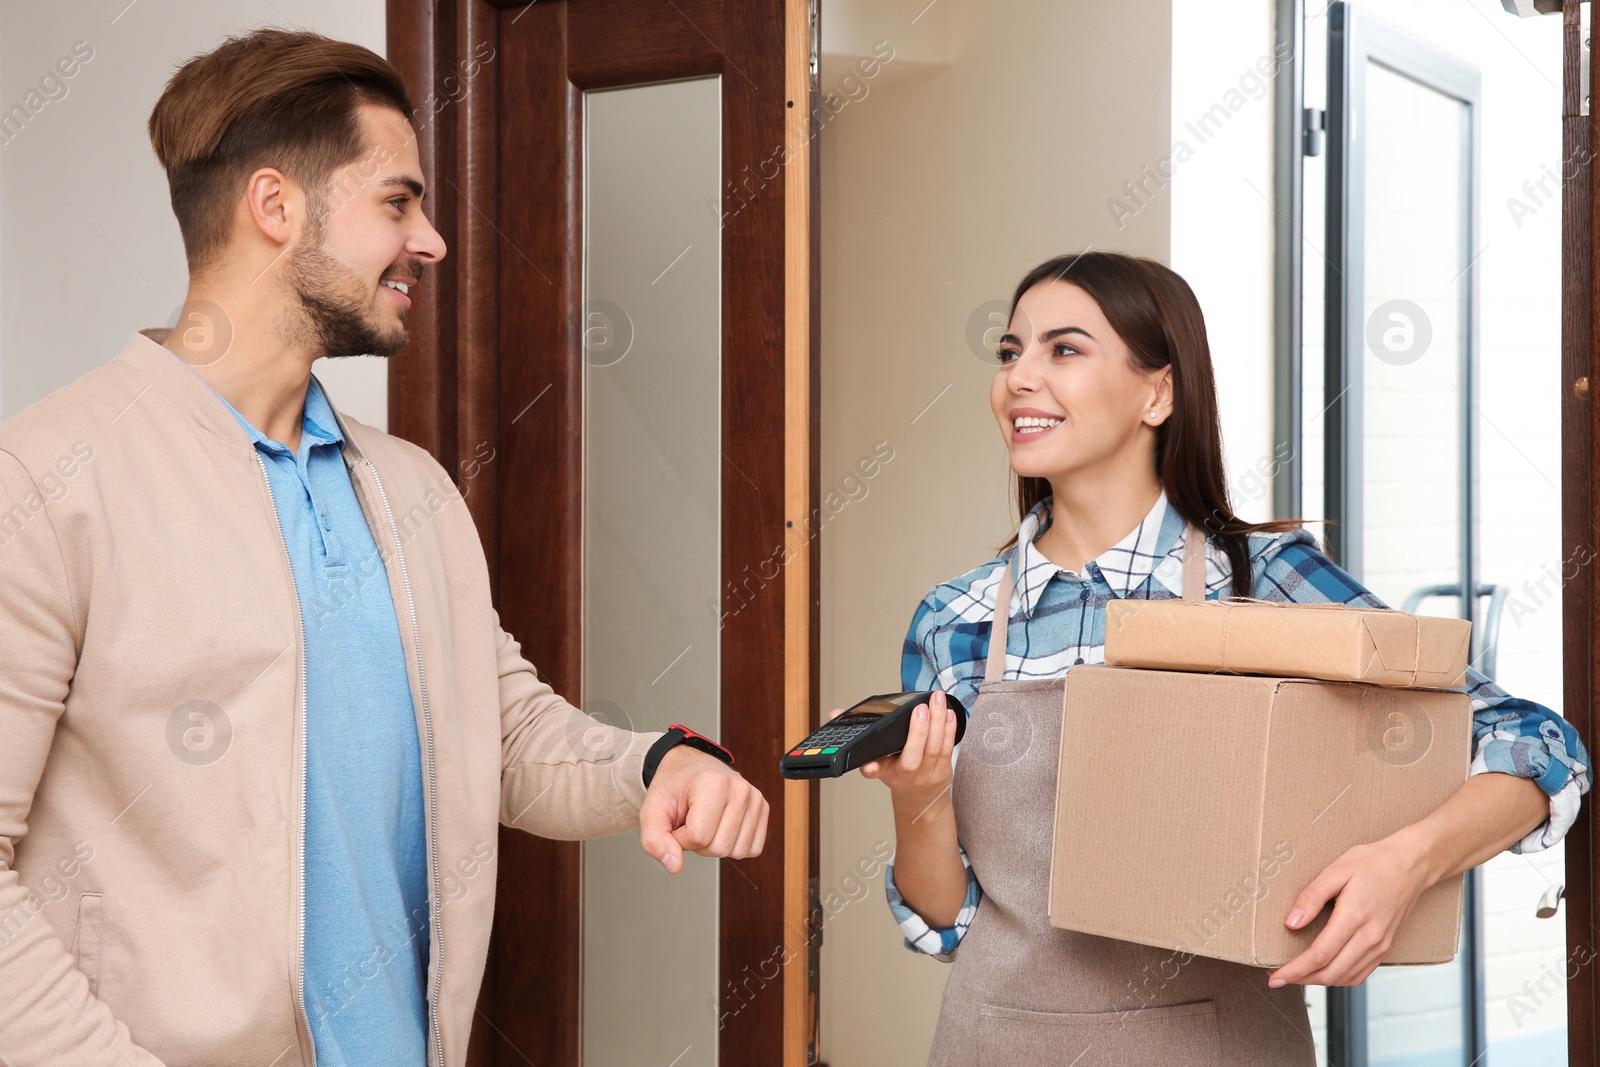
x,y
364,244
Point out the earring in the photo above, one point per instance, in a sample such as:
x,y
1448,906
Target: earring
x,y
1152,414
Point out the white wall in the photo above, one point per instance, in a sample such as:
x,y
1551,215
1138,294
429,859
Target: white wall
x,y
993,140
1224,74
89,249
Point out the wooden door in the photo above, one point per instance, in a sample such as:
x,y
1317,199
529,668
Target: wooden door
x,y
492,385
1580,466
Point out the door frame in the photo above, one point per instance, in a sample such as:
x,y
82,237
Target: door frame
x,y
1580,466
453,394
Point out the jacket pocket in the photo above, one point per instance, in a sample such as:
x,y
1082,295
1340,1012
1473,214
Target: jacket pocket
x,y
1174,1035
86,942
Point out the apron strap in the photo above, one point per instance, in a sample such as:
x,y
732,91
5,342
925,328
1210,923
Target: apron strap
x,y
1194,564
996,668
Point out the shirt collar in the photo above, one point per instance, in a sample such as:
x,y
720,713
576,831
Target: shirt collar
x,y
318,425
320,420
1153,548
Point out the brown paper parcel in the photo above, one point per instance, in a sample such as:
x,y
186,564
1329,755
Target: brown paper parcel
x,y
1192,809
1328,641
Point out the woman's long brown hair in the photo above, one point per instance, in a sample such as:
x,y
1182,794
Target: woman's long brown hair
x,y
1156,314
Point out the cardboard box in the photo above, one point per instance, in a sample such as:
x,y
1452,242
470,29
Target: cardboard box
x,y
1216,798
1328,641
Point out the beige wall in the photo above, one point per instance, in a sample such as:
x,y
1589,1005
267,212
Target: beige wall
x,y
90,248
992,141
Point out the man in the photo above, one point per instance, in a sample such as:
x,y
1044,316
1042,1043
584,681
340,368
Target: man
x,y
258,718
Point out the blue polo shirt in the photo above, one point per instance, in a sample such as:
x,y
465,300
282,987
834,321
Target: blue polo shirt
x,y
366,891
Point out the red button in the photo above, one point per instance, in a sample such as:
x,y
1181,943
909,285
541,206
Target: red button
x,y
798,752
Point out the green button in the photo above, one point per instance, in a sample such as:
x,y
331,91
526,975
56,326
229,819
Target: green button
x,y
829,751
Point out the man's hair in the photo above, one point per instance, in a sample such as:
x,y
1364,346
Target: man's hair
x,y
269,98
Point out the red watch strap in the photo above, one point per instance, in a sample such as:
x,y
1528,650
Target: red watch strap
x,y
688,733
679,734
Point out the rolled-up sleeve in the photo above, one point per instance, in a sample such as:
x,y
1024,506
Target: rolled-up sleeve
x,y
932,940
1515,736
1510,735
919,670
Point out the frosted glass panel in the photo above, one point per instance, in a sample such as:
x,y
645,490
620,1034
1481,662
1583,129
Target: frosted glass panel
x,y
652,537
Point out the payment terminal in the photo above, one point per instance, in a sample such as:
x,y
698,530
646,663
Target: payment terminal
x,y
870,730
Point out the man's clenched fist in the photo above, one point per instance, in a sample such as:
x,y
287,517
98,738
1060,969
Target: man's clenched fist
x,y
698,803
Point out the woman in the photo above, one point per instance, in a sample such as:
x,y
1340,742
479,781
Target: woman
x,y
1105,398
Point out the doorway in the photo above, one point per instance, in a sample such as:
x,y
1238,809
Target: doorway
x,y
1398,424
1435,455
617,362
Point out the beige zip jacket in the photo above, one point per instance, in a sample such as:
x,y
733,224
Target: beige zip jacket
x,y
152,729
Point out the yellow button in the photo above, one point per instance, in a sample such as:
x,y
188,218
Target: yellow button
x,y
813,751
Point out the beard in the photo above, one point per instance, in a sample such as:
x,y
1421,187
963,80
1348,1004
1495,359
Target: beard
x,y
336,305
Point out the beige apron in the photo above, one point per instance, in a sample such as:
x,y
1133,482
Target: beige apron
x,y
1025,994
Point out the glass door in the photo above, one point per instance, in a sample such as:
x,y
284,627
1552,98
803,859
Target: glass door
x,y
1398,455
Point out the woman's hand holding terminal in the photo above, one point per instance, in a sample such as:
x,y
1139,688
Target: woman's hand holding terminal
x,y
927,865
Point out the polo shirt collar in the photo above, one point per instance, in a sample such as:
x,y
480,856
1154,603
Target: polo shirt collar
x,y
318,426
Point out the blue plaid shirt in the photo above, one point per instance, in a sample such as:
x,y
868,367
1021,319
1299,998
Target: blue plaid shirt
x,y
1058,620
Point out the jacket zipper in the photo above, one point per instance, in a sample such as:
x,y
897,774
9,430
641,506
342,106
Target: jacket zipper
x,y
300,780
436,895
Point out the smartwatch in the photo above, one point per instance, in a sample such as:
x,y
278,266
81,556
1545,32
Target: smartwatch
x,y
678,734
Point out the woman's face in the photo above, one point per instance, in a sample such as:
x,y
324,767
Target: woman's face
x,y
1067,396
